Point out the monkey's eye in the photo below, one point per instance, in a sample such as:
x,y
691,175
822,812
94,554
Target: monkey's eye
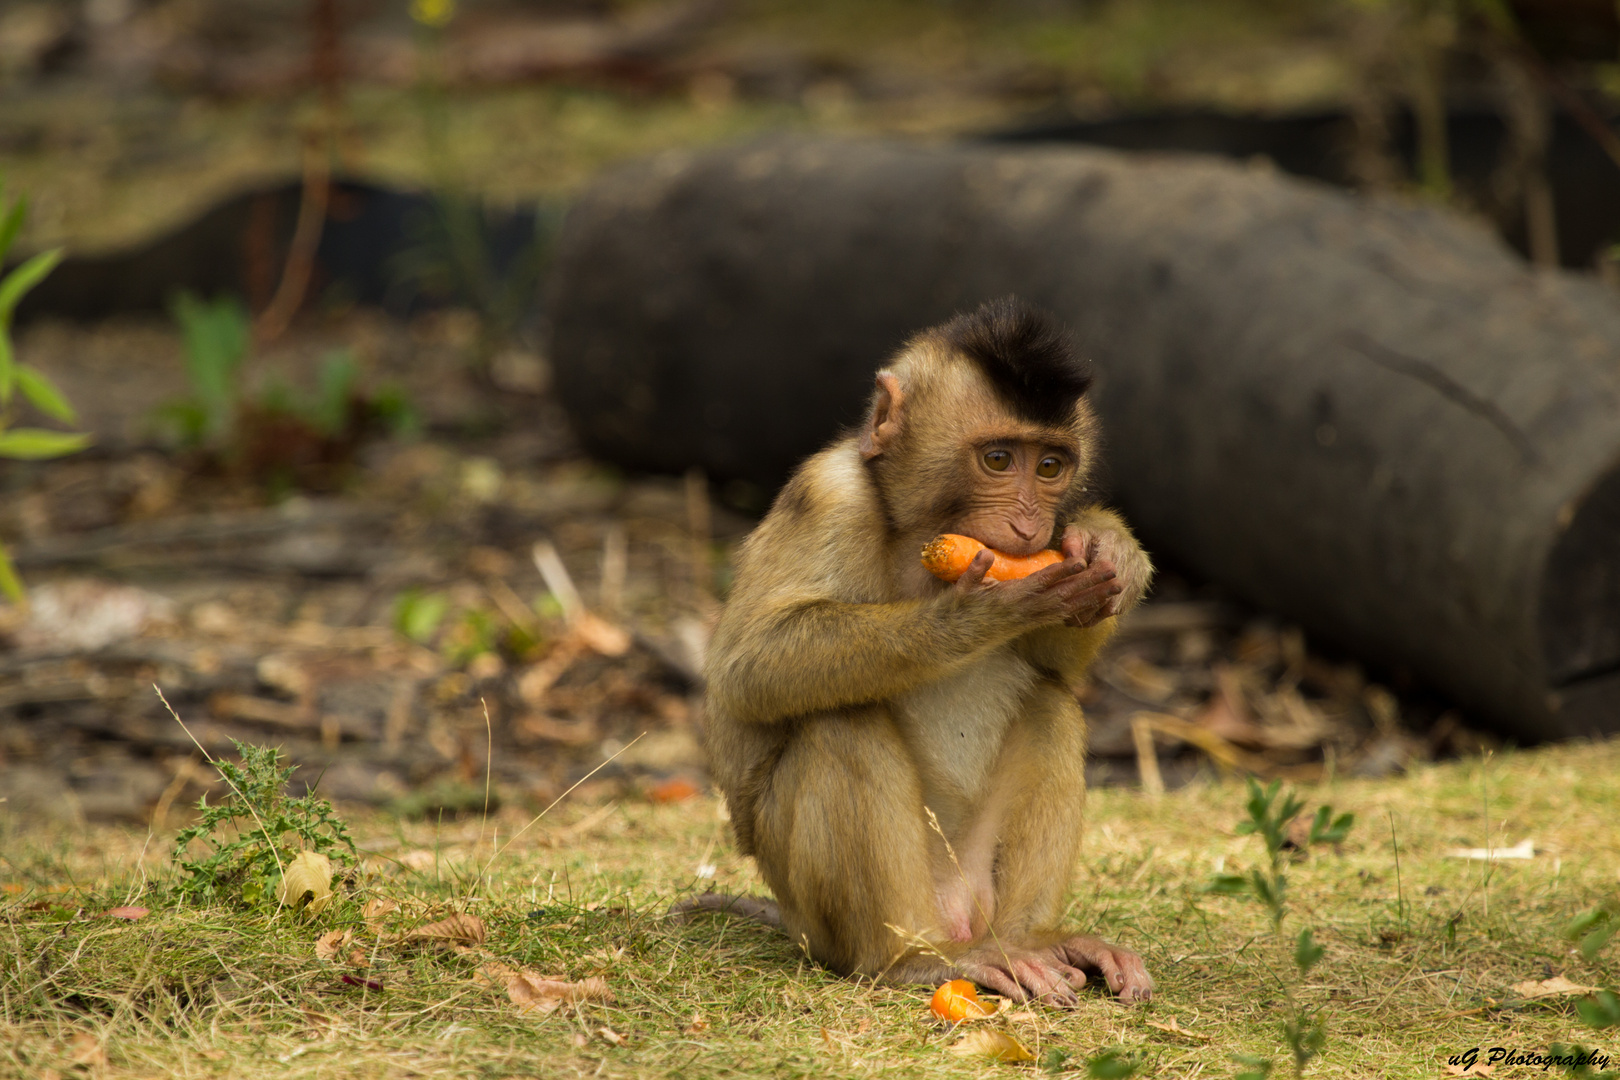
x,y
1049,467
997,460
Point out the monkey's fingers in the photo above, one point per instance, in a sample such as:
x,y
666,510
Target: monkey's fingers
x,y
1076,545
1091,588
1047,577
1086,598
973,576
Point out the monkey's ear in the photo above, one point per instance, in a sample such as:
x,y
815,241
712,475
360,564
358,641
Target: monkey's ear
x,y
883,426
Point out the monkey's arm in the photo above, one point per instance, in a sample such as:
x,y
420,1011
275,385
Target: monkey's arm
x,y
1065,651
816,655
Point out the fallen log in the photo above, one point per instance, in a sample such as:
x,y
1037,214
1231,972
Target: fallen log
x,y
1366,415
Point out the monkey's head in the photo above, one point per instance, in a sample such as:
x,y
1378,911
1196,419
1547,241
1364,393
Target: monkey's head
x,y
980,427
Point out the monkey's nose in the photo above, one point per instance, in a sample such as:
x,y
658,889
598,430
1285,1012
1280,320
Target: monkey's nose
x,y
1022,535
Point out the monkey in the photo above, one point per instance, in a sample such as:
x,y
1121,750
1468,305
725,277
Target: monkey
x,y
904,758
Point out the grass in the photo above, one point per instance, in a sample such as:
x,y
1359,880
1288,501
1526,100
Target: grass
x,y
1419,962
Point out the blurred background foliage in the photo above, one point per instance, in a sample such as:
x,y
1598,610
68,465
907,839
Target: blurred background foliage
x,y
125,117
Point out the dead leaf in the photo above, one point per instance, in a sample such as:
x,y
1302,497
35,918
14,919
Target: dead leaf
x,y
87,1050
308,875
461,929
574,731
375,911
1558,986
1174,1028
329,944
130,913
531,991
421,860
1145,680
611,1036
358,958
534,683
1469,1070
212,1055
995,1045
698,1025
601,636
318,1020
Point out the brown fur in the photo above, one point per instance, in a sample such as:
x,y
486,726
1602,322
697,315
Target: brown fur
x,y
850,693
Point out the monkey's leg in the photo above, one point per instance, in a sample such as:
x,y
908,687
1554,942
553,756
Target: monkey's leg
x,y
840,838
1042,766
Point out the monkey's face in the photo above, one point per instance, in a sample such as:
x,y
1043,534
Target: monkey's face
x,y
1015,487
950,454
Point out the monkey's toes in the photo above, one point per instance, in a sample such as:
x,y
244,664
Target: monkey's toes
x,y
1121,968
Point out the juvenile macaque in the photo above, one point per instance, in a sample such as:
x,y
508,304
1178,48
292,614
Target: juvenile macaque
x,y
862,713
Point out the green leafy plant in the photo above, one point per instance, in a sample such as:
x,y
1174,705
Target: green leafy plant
x,y
1304,1031
255,832
1113,1063
418,614
215,336
327,410
22,382
1591,930
283,437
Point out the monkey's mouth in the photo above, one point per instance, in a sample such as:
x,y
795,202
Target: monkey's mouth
x,y
1010,543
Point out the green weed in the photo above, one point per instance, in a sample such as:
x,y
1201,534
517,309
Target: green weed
x,y
254,833
26,443
1304,1030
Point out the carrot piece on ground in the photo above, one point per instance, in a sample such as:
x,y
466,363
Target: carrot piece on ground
x,y
958,1000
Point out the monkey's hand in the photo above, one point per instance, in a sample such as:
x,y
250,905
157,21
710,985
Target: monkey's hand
x,y
1072,591
1100,539
1121,968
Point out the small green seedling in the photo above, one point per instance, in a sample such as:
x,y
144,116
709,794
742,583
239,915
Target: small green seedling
x,y
1304,1032
255,832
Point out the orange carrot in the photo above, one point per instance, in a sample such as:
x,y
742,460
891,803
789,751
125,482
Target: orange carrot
x,y
958,1000
947,556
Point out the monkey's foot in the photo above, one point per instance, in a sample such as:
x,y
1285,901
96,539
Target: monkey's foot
x,y
1023,974
1121,968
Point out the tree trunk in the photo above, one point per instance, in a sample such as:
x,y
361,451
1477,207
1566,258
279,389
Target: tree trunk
x,y
1369,416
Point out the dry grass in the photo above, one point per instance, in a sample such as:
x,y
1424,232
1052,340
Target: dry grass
x,y
1419,962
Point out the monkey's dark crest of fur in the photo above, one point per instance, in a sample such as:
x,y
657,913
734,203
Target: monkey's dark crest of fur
x,y
1025,354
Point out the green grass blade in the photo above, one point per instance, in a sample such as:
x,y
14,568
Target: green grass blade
x,y
43,394
8,372
12,224
36,444
10,583
23,278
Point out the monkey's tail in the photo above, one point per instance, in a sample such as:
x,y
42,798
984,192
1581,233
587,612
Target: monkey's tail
x,y
749,907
